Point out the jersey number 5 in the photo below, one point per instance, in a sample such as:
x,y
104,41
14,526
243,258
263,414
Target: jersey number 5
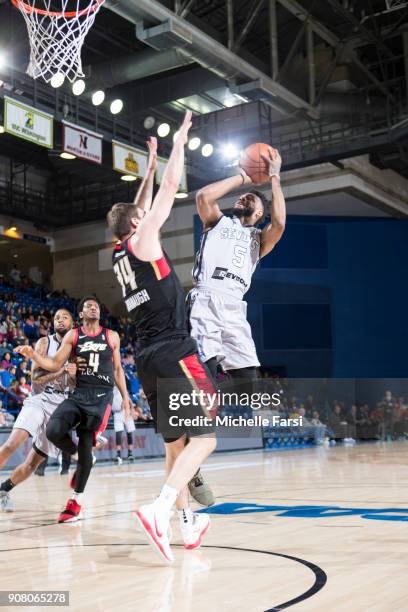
x,y
125,274
239,256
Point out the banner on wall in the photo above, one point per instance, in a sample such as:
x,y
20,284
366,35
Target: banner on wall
x,y
28,123
129,160
161,165
82,142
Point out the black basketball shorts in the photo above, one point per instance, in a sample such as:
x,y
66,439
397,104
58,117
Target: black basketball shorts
x,y
177,384
87,409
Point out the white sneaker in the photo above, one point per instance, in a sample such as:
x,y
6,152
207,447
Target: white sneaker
x,y
94,459
118,460
155,522
193,533
6,505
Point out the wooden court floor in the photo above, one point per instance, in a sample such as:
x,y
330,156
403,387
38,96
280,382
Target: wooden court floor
x,y
313,530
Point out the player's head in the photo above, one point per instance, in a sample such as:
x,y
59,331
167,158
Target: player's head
x,y
250,208
123,219
89,308
63,321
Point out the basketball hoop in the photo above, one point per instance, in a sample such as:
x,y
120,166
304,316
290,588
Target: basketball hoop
x,y
56,37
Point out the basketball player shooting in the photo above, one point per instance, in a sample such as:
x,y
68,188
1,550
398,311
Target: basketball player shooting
x,y
49,390
154,297
87,409
229,252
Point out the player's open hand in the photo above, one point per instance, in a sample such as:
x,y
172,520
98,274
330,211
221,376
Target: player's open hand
x,y
126,407
25,350
182,134
274,162
246,180
152,146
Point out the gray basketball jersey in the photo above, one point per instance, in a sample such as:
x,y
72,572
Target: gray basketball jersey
x,y
59,386
227,258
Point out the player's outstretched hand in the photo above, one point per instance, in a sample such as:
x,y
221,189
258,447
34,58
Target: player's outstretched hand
x,y
182,134
126,407
152,146
274,162
25,350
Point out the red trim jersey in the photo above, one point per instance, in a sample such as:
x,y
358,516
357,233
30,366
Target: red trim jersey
x,y
97,350
152,294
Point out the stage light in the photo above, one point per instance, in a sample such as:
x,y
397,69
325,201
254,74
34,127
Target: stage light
x,y
194,143
116,106
207,150
66,155
57,80
98,97
181,195
128,178
163,130
78,87
12,229
2,60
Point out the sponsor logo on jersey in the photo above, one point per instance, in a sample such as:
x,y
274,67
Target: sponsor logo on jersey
x,y
135,300
95,347
221,273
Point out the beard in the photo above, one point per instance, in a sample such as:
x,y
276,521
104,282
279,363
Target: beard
x,y
241,213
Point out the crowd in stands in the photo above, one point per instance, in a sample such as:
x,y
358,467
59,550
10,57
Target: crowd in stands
x,y
26,314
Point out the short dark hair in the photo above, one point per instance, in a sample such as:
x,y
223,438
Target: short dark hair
x,y
264,201
61,310
119,218
86,299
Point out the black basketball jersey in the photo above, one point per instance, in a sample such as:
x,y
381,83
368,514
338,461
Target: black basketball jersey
x,y
152,294
98,352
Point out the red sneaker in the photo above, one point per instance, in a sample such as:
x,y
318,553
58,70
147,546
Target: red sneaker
x,y
72,482
71,513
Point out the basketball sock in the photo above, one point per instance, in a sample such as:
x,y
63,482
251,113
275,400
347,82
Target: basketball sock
x,y
185,516
7,485
78,497
118,453
130,453
167,497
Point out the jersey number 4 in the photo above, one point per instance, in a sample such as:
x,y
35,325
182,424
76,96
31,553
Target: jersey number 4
x,y
125,274
93,362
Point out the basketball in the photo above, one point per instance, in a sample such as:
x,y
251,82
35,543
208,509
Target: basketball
x,y
252,162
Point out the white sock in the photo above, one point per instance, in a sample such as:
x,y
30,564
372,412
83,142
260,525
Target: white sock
x,y
167,497
78,497
185,516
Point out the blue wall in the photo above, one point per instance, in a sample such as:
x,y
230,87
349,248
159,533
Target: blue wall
x,y
332,299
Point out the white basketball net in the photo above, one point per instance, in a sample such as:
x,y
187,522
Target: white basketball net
x,y
56,38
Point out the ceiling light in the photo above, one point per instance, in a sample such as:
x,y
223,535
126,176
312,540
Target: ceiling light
x,y
128,177
2,60
2,130
229,102
163,130
12,229
207,150
181,195
230,151
57,80
66,155
116,106
194,143
148,123
98,97
78,87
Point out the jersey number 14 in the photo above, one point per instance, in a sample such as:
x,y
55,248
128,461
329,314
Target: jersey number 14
x,y
125,274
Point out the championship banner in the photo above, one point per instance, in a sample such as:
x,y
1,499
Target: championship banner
x,y
161,165
129,160
28,123
82,143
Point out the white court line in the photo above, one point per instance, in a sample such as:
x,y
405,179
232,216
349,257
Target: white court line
x,y
212,467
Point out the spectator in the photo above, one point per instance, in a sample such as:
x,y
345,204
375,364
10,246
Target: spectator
x,y
143,406
15,275
6,419
337,424
23,389
6,361
23,370
30,329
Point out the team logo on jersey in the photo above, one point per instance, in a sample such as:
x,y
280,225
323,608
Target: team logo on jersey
x,y
221,273
95,347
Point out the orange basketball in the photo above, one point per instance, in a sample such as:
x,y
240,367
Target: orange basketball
x,y
253,164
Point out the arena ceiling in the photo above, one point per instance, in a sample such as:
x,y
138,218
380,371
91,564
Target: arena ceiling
x,y
322,80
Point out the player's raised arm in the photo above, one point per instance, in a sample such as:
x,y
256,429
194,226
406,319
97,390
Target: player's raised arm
x,y
146,243
52,364
207,198
272,233
144,196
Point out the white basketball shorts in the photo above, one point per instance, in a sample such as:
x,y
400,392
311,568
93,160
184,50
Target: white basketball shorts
x,y
120,424
220,327
34,417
